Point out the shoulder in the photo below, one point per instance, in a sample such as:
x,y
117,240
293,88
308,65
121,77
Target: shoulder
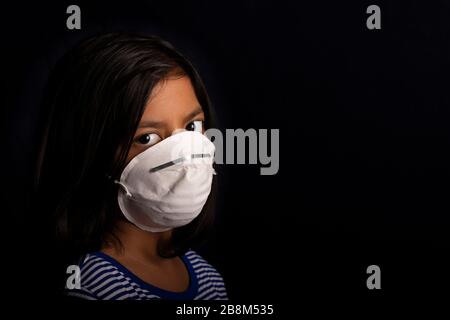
x,y
102,279
210,282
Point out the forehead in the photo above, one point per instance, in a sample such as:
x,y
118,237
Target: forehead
x,y
170,98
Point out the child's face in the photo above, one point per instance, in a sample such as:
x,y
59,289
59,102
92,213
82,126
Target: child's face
x,y
172,106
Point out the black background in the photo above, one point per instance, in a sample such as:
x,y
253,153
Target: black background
x,y
364,136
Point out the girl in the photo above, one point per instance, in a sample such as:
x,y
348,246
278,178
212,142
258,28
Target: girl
x,y
127,172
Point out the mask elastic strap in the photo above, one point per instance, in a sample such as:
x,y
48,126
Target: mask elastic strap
x,y
124,188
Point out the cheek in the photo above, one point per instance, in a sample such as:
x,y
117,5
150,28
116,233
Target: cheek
x,y
135,149
133,152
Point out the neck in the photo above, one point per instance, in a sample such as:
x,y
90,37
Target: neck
x,y
137,243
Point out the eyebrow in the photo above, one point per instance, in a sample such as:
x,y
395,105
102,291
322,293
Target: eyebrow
x,y
159,124
194,113
152,124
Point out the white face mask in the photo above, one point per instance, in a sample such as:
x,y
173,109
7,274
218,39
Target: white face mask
x,y
167,185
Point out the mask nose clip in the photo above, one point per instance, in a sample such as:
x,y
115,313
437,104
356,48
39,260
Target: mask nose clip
x,y
124,188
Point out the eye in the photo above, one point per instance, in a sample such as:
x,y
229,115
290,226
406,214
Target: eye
x,y
195,126
148,139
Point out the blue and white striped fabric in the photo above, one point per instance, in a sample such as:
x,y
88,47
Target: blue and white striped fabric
x,y
104,278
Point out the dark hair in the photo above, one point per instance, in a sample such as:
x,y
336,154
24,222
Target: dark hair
x,y
95,99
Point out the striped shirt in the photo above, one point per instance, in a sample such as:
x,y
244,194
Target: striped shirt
x,y
104,278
